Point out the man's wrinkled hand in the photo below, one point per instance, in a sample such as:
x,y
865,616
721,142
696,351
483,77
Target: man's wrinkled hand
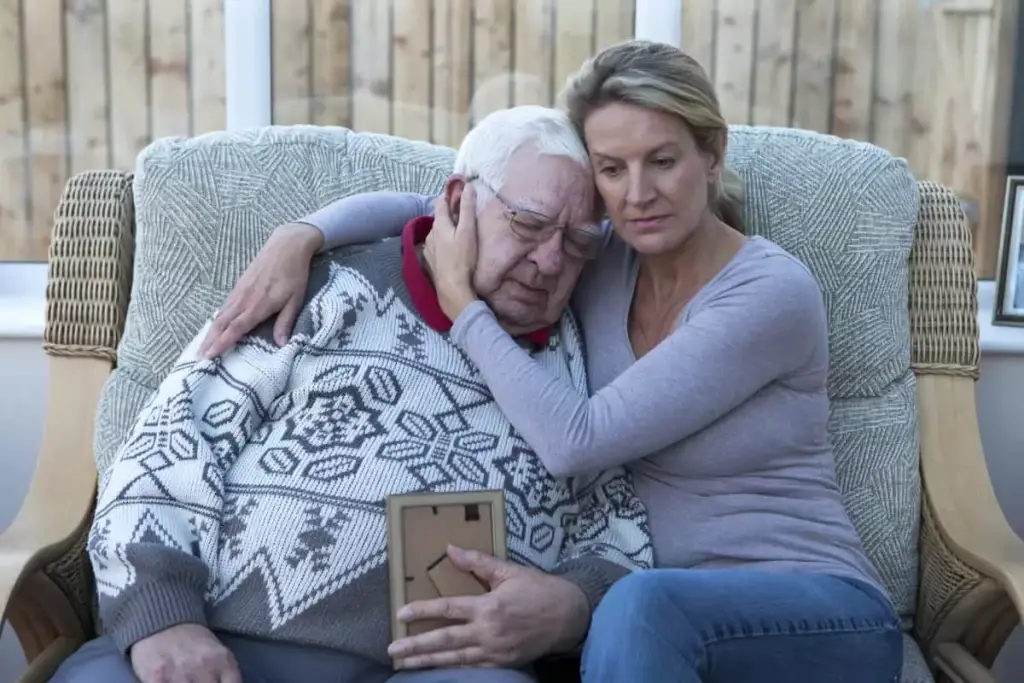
x,y
275,282
186,653
526,615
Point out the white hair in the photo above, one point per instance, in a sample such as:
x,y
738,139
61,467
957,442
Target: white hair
x,y
489,146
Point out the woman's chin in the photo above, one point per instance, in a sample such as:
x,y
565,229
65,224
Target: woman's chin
x,y
653,242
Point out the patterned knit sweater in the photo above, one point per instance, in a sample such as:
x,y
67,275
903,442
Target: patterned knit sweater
x,y
250,494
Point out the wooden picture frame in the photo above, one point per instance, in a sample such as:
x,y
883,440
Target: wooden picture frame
x,y
420,528
1009,305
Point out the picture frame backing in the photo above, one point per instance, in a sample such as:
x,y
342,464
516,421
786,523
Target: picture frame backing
x,y
420,528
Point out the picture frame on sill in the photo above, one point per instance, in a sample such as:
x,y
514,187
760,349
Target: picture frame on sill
x,y
1009,308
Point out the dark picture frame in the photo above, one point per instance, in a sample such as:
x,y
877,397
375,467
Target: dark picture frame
x,y
1009,308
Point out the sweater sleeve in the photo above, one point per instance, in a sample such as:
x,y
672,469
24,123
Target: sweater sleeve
x,y
153,542
609,538
367,217
765,326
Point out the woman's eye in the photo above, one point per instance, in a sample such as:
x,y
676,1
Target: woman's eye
x,y
609,170
664,162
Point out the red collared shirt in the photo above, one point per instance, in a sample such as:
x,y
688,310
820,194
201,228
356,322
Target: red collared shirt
x,y
421,289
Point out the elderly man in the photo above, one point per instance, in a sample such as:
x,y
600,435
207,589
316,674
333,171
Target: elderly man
x,y
240,534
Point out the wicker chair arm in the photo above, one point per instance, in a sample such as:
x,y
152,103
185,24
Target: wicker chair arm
x,y
45,582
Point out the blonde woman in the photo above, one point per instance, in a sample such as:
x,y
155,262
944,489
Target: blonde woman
x,y
707,355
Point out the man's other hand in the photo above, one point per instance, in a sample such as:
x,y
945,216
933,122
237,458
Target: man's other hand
x,y
527,614
186,653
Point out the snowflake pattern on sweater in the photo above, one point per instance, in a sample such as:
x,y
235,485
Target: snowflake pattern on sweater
x,y
250,494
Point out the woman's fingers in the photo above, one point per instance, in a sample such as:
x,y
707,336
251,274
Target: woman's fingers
x,y
467,208
465,233
213,343
275,282
232,332
441,208
285,322
450,251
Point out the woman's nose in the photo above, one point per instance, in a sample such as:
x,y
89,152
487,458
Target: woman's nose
x,y
639,189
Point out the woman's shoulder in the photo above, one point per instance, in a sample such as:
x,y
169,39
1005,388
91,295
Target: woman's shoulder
x,y
765,265
771,297
766,280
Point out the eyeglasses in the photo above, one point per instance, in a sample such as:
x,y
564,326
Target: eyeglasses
x,y
534,227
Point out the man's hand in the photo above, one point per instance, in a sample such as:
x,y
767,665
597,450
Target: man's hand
x,y
527,615
186,653
274,281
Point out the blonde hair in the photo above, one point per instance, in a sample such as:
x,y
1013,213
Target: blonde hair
x,y
663,78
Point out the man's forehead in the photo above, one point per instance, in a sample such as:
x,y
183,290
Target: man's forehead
x,y
549,187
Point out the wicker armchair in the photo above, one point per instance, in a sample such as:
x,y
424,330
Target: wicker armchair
x,y
971,562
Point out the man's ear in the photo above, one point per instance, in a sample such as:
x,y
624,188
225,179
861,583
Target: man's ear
x,y
453,189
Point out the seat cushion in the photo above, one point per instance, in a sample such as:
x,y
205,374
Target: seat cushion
x,y
848,210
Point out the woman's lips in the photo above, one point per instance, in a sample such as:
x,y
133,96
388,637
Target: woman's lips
x,y
648,223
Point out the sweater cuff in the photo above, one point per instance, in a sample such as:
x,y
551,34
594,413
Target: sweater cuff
x,y
142,611
594,576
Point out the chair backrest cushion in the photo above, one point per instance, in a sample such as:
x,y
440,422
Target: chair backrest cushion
x,y
205,206
848,210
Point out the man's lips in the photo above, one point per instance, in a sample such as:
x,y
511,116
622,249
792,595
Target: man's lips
x,y
525,292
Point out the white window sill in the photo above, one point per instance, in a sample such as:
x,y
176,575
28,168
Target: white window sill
x,y
996,339
22,300
22,317
23,309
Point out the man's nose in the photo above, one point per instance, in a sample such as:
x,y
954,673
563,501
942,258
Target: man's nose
x,y
549,256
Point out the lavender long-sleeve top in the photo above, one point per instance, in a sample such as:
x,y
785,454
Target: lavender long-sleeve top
x,y
723,425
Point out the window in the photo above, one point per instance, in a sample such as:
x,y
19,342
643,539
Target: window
x,y
86,84
929,80
427,70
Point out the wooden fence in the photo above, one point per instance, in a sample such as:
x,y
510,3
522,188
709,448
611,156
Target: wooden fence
x,y
450,61
88,83
929,80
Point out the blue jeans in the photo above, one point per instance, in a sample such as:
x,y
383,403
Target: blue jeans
x,y
737,626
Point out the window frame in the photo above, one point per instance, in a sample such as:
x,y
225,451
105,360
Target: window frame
x,y
248,100
249,103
